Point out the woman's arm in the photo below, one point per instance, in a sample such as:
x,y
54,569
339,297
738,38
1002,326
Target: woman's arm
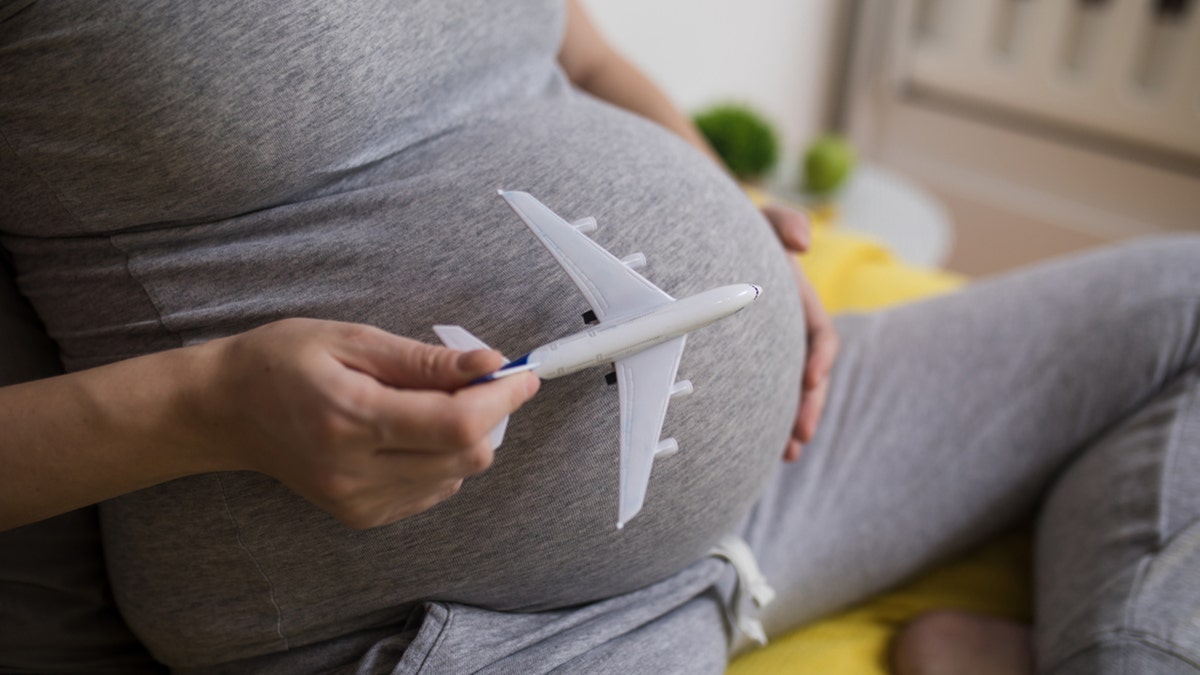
x,y
76,439
592,64
367,425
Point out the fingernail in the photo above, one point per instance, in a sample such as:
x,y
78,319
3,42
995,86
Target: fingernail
x,y
467,362
463,362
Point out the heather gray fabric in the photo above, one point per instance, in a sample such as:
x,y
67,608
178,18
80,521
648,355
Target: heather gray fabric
x,y
185,172
180,173
1071,388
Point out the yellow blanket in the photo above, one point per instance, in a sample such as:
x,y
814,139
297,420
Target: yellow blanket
x,y
852,272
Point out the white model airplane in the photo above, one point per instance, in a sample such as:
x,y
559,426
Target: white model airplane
x,y
635,325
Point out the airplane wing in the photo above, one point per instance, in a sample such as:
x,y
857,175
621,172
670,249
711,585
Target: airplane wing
x,y
645,381
609,285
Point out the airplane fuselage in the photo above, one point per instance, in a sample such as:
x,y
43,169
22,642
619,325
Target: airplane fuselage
x,y
638,328
605,343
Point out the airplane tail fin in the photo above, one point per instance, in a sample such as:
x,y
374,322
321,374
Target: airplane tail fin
x,y
457,337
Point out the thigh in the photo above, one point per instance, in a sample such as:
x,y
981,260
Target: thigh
x,y
947,418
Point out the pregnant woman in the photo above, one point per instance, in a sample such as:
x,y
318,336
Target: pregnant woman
x,y
226,214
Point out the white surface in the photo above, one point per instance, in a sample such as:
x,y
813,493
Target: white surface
x,y
1030,176
905,218
1143,85
771,54
909,220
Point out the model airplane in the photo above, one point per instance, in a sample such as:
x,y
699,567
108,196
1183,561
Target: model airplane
x,y
635,325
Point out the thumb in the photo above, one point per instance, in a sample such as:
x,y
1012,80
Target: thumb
x,y
406,363
791,226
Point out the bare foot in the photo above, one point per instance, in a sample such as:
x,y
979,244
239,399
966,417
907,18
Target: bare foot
x,y
951,642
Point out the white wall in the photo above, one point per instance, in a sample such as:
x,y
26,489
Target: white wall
x,y
771,54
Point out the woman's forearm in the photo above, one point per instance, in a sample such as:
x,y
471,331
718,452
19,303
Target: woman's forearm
x,y
594,66
80,438
369,426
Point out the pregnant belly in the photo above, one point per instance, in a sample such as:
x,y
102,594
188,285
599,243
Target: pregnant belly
x,y
421,240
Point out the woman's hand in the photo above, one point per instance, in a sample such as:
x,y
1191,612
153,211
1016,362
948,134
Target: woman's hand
x,y
793,230
369,426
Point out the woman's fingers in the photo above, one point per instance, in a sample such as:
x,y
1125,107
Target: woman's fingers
x,y
823,343
811,409
792,452
791,226
434,421
369,426
424,444
402,362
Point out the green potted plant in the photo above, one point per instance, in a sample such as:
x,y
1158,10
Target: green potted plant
x,y
825,167
742,138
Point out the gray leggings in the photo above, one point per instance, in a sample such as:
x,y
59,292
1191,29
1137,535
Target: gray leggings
x,y
1071,390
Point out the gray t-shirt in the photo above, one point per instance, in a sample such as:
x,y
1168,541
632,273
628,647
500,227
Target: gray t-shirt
x,y
174,172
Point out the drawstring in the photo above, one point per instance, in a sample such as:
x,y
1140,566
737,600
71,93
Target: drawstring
x,y
749,579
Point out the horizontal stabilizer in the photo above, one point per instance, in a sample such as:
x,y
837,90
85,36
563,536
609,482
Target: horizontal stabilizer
x,y
457,337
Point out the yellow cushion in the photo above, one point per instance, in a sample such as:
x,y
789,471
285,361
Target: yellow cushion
x,y
993,579
854,272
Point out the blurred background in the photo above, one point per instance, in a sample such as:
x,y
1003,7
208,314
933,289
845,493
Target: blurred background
x,y
977,135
